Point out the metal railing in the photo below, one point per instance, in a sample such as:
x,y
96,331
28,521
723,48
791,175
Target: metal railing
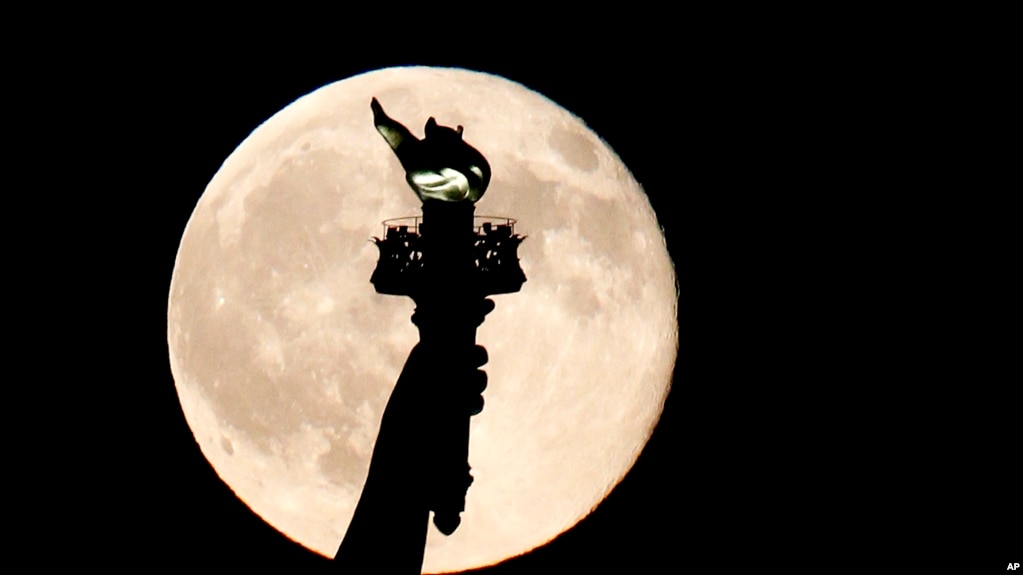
x,y
481,224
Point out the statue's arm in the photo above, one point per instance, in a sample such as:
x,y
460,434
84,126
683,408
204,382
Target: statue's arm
x,y
388,529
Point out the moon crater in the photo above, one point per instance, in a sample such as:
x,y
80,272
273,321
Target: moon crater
x,y
575,148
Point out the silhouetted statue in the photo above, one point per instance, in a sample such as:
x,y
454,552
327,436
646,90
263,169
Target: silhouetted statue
x,y
388,531
441,166
448,267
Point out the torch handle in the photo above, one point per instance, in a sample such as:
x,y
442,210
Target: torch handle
x,y
453,477
449,337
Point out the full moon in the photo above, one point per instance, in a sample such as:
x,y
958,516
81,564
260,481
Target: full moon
x,y
284,355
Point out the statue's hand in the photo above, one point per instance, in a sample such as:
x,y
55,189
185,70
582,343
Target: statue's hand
x,y
416,395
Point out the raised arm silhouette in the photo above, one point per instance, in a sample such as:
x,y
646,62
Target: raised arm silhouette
x,y
448,265
388,531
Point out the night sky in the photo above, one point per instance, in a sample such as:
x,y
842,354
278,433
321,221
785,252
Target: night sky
x,y
784,442
195,514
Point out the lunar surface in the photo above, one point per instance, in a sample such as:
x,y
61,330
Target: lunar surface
x,y
284,355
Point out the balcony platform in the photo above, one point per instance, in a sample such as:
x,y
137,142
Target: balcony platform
x,y
402,260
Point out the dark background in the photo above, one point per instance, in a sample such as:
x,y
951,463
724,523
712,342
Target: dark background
x,y
813,418
639,523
